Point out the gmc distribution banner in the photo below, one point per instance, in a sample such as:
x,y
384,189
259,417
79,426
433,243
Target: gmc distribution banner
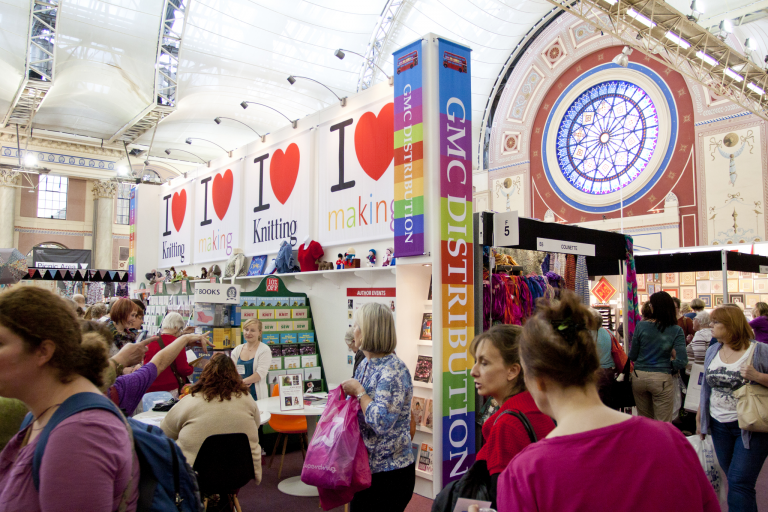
x,y
457,304
409,152
132,241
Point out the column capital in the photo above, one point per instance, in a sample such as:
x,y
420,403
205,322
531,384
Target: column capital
x,y
8,177
104,189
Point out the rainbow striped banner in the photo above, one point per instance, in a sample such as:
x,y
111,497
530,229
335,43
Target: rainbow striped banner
x,y
409,152
457,265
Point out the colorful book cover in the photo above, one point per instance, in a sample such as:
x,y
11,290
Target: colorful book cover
x,y
307,349
257,265
423,371
426,327
426,458
418,405
428,418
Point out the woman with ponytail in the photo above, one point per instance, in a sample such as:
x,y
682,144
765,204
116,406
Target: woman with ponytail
x,y
44,360
582,463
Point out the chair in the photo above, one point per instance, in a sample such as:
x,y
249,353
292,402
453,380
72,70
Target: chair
x,y
286,425
223,465
149,400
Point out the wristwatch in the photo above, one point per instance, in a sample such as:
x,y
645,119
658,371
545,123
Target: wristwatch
x,y
118,367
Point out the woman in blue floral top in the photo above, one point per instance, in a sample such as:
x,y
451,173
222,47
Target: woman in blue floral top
x,y
383,386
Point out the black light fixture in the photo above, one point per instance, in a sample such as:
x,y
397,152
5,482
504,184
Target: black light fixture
x,y
340,54
190,139
697,9
168,152
245,104
218,121
292,80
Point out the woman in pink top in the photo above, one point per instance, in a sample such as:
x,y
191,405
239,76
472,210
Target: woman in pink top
x,y
44,360
583,463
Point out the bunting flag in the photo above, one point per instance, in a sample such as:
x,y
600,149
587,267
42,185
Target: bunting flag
x,y
112,274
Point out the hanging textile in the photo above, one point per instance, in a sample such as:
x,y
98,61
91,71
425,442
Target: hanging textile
x,y
633,315
570,272
582,283
545,264
95,292
122,290
529,260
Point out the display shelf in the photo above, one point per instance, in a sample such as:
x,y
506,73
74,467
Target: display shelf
x,y
420,384
423,474
426,430
338,277
426,343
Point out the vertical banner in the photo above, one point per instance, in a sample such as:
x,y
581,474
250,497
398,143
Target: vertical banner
x,y
176,219
277,201
355,176
132,238
217,213
409,152
456,253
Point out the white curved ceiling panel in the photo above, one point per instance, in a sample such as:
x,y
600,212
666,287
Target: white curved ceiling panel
x,y
717,10
105,66
14,30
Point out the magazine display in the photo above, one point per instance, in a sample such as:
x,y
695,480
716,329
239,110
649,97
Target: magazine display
x,y
423,371
418,406
426,458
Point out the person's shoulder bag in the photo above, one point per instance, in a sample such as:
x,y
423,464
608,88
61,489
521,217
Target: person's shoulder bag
x,y
752,407
180,381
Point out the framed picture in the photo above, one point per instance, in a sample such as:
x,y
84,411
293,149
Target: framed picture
x,y
687,278
640,282
752,299
704,276
737,297
656,278
707,300
426,327
733,285
746,285
733,273
761,276
687,293
764,297
670,279
717,286
716,274
717,299
761,285
745,275
671,291
703,287
651,289
643,298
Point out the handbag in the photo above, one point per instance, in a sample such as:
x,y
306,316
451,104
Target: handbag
x,y
617,353
181,381
622,396
752,407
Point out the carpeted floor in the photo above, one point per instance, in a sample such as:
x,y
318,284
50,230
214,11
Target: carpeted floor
x,y
267,498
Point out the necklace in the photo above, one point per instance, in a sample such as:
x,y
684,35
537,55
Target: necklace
x,y
726,359
43,414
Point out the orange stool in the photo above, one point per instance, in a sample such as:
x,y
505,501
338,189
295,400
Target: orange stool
x,y
286,425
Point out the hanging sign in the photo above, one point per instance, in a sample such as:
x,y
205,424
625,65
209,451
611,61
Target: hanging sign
x,y
61,258
217,213
217,293
277,202
132,241
409,151
764,269
506,231
564,247
356,176
454,150
176,219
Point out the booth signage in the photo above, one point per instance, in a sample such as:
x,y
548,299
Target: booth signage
x,y
764,269
176,226
506,231
451,64
217,213
217,293
565,247
132,204
356,175
409,151
61,258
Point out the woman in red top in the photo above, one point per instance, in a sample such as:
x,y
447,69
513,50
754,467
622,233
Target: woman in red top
x,y
498,374
173,327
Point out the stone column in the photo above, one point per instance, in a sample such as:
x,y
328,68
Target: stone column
x,y
104,192
8,184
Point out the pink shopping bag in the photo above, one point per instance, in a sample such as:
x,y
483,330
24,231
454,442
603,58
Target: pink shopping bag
x,y
337,459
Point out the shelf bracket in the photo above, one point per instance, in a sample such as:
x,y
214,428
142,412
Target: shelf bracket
x,y
336,278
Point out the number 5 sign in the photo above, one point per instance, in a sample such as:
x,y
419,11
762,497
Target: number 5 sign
x,y
506,232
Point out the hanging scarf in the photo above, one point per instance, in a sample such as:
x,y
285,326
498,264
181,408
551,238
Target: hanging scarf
x,y
582,285
633,315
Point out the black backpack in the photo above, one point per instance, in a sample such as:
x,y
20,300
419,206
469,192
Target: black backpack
x,y
476,483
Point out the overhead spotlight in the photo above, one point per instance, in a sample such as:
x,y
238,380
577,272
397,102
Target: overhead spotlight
x,y
339,54
167,151
622,59
190,139
146,162
726,28
217,120
697,9
639,36
121,170
30,159
750,44
246,103
291,80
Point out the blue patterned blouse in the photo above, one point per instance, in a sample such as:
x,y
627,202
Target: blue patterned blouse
x,y
386,423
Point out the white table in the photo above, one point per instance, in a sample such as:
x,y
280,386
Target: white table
x,y
293,485
156,417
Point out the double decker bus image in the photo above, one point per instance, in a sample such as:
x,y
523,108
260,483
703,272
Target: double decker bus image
x,y
453,61
407,61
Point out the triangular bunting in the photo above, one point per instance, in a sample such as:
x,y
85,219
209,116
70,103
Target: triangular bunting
x,y
112,274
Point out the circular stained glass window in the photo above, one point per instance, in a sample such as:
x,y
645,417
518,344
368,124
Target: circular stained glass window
x,y
607,137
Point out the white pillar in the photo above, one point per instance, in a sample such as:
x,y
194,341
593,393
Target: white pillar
x,y
8,185
104,192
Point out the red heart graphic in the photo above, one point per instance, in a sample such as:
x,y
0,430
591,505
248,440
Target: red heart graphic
x,y
375,141
179,209
221,192
283,171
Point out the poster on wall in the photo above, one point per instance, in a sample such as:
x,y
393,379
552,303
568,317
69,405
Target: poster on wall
x,y
456,289
409,151
356,297
277,181
356,175
176,219
217,213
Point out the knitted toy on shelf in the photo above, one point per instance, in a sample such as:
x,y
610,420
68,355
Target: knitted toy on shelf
x,y
340,261
371,257
388,257
204,273
348,257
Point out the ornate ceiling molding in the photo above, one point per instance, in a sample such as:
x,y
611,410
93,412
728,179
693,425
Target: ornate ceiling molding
x,y
37,142
9,178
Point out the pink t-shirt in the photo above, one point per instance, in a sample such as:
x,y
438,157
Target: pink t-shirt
x,y
86,466
639,464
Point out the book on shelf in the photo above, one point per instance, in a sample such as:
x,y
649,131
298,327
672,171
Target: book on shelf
x,y
423,371
426,327
425,458
428,418
418,405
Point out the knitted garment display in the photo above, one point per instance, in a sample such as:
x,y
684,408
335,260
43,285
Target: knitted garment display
x,y
582,283
529,260
570,272
633,314
545,264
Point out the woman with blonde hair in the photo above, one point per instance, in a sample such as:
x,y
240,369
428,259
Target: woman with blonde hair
x,y
252,359
383,386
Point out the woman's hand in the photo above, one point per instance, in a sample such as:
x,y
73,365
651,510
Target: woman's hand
x,y
253,379
352,387
198,339
188,330
698,425
689,338
674,355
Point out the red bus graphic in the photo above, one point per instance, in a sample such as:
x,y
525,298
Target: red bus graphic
x,y
453,61
407,61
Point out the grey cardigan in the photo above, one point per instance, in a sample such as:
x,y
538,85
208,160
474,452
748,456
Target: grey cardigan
x,y
759,361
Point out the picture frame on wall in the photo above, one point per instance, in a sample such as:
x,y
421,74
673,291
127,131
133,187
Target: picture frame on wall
x,y
707,299
671,291
752,299
761,285
746,285
745,275
732,274
687,278
640,282
651,289
733,285
764,298
704,276
687,293
643,298
736,297
656,278
717,286
670,279
717,300
703,287
716,275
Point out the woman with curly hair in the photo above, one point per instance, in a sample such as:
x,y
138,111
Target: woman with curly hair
x,y
219,403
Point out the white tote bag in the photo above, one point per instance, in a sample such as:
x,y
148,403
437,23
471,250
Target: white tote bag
x,y
708,459
693,395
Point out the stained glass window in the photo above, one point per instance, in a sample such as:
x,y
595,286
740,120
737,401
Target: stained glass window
x,y
607,137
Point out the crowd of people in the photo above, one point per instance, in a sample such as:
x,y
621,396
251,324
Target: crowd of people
x,y
549,378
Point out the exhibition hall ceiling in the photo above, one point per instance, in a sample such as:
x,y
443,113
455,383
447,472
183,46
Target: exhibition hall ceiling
x,y
235,50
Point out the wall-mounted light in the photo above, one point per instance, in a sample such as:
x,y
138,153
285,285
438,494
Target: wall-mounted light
x,y
190,139
340,54
750,44
218,121
697,9
168,152
622,59
292,80
245,104
726,28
